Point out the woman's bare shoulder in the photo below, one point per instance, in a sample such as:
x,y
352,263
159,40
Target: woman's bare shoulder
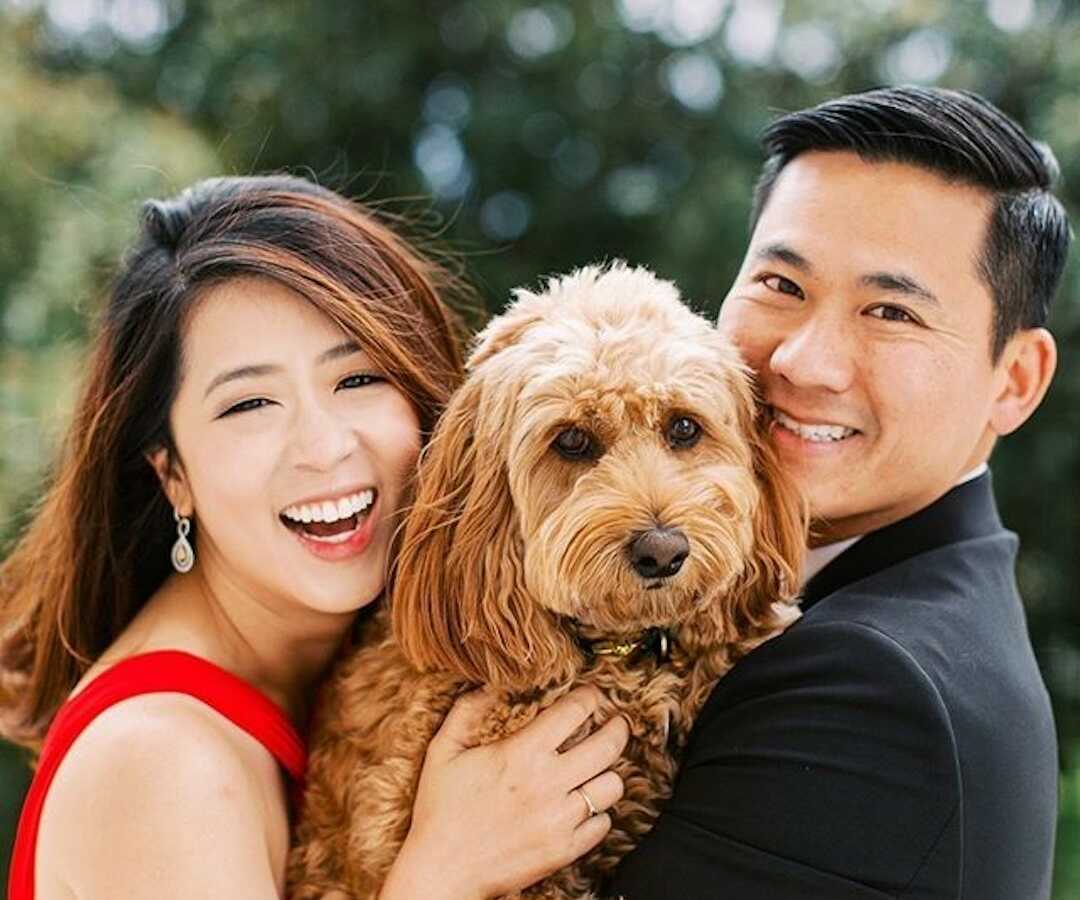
x,y
161,790
163,730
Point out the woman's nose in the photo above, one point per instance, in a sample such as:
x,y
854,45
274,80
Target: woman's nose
x,y
322,440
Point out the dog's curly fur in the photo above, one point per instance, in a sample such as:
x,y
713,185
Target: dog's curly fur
x,y
512,554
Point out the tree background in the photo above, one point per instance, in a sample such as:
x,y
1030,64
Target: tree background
x,y
531,137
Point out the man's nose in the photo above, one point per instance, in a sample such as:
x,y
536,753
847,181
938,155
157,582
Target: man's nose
x,y
819,353
321,439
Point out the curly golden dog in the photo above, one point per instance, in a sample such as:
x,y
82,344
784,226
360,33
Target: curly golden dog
x,y
599,504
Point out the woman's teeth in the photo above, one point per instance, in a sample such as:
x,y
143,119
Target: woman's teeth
x,y
814,433
331,510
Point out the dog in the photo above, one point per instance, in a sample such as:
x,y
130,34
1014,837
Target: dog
x,y
598,504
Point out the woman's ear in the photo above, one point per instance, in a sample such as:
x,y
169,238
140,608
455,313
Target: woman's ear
x,y
172,479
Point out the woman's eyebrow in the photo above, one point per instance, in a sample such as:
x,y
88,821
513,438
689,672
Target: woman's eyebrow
x,y
348,348
252,371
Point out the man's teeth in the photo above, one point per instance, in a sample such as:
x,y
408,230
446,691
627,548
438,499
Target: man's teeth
x,y
331,510
817,433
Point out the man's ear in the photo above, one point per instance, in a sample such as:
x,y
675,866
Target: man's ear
x,y
173,481
1026,368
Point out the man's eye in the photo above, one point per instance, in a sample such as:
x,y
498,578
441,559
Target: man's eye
x,y
782,285
245,406
891,314
357,381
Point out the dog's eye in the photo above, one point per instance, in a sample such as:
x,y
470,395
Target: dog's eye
x,y
683,432
575,443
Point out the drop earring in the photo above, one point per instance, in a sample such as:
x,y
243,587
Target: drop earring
x,y
183,554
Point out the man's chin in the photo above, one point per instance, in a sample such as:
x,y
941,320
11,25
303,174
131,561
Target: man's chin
x,y
831,521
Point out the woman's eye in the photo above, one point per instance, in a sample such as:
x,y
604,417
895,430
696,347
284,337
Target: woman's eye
x,y
575,444
891,314
245,406
357,381
683,432
782,285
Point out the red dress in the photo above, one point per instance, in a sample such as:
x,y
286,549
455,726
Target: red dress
x,y
161,671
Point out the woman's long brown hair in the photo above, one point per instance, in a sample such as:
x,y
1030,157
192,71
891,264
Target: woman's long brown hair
x,y
98,546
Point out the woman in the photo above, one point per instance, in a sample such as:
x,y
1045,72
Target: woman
x,y
270,362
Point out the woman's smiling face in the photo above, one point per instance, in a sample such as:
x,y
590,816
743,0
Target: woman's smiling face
x,y
293,450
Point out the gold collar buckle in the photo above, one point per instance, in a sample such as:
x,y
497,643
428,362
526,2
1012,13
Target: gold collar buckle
x,y
655,641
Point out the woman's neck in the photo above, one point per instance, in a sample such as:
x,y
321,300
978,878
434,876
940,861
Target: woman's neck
x,y
282,651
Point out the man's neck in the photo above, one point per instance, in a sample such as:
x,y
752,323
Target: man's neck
x,y
972,475
817,558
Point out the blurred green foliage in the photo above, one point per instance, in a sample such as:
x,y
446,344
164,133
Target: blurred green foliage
x,y
532,137
1067,870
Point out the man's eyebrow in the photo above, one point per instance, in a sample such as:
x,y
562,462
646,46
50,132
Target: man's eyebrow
x,y
783,253
898,283
348,348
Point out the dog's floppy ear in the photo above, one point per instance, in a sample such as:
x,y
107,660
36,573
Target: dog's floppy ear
x,y
524,311
780,528
745,613
458,595
781,524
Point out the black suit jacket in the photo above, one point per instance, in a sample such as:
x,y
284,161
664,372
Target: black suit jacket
x,y
897,741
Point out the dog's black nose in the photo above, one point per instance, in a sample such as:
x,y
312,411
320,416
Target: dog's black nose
x,y
659,552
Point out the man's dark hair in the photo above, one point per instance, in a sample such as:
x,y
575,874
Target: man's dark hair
x,y
964,138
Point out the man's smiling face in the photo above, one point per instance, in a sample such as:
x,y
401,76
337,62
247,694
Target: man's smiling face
x,y
861,308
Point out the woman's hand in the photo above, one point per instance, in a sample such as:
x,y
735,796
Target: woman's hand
x,y
493,819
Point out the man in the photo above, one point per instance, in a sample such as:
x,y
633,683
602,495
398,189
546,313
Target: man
x,y
897,741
